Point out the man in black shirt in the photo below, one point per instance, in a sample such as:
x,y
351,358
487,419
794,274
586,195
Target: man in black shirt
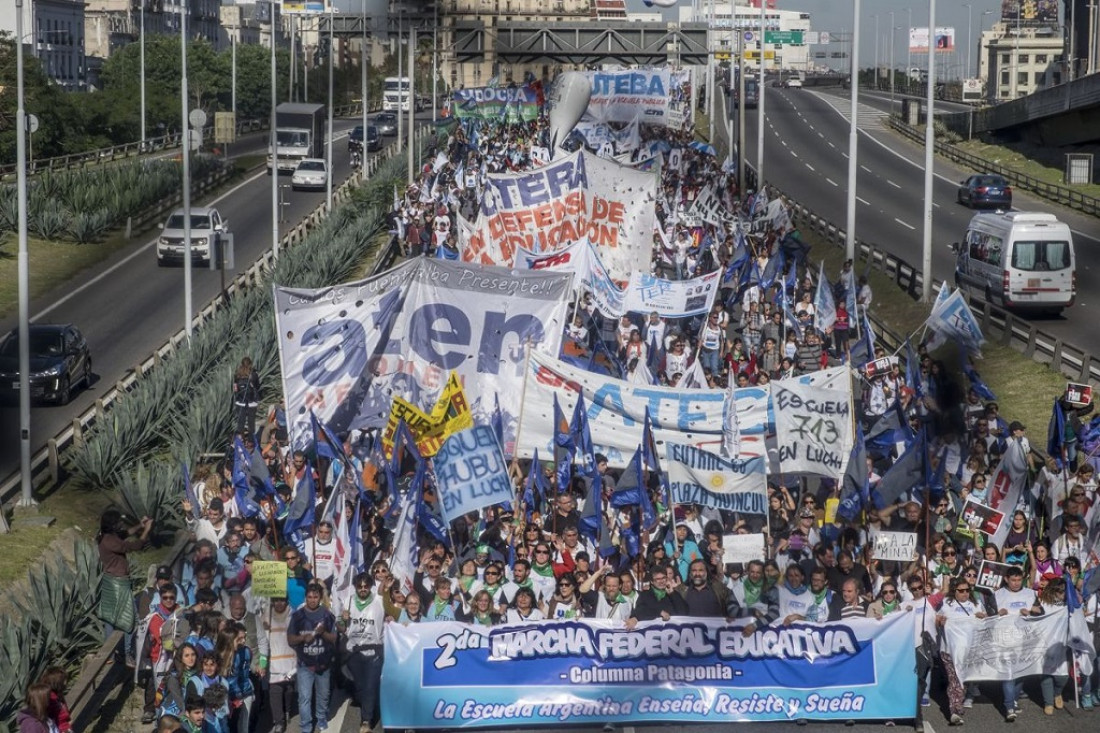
x,y
658,601
312,634
703,597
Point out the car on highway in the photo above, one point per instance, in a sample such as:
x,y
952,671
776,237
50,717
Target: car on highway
x,y
355,139
794,83
207,228
310,173
59,361
987,190
386,122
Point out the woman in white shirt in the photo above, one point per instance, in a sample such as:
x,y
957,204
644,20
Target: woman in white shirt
x,y
957,604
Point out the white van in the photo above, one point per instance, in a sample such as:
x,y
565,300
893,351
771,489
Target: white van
x,y
1020,260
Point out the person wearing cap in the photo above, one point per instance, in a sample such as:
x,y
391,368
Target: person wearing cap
x,y
682,550
1016,435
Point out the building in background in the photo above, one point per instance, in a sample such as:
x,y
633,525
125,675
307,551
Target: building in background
x,y
53,32
789,57
1024,52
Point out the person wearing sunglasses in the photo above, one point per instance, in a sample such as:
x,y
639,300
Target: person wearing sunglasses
x,y
1014,598
362,624
158,636
957,604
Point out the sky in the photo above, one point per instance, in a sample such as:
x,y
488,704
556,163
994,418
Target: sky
x,y
836,15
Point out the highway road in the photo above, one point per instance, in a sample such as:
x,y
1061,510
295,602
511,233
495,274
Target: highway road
x,y
806,156
127,306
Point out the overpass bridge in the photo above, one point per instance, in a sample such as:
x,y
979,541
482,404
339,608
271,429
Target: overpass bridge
x,y
1068,114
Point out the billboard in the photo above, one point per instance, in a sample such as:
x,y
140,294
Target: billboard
x,y
1037,11
944,39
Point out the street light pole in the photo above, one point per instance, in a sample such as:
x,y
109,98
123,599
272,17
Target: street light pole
x,y
25,499
969,33
893,64
400,83
760,108
141,45
186,157
929,160
853,142
274,144
364,56
435,60
909,53
328,148
412,97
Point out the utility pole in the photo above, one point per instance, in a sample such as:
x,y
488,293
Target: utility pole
x,y
275,143
186,157
328,147
760,108
26,497
929,161
412,97
364,59
853,142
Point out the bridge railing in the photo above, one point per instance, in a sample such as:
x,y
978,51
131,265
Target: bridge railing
x,y
1051,191
150,146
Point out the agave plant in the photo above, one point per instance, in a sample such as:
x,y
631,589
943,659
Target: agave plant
x,y
89,226
153,490
49,223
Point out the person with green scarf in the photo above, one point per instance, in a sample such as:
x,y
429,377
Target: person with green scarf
x,y
362,624
751,595
887,602
442,605
657,601
494,585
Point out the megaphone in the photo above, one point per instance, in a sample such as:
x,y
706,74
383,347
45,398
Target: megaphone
x,y
568,101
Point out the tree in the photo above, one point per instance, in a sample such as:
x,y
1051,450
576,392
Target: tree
x,y
58,129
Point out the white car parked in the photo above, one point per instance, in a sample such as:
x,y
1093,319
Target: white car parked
x,y
310,173
207,227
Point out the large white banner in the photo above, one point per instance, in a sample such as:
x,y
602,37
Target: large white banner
x,y
616,413
672,298
1014,646
574,197
699,477
813,427
348,350
645,293
629,95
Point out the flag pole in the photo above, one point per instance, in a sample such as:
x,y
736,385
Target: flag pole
x,y
522,402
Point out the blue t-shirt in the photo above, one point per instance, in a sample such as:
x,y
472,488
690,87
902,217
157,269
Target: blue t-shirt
x,y
317,653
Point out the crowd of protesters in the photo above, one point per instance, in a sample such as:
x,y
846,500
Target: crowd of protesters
x,y
210,654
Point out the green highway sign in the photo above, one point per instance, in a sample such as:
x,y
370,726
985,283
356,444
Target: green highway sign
x,y
794,37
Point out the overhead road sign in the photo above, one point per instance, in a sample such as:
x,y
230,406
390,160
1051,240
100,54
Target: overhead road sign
x,y
793,37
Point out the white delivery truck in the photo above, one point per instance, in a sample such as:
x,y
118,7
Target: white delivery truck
x,y
1018,259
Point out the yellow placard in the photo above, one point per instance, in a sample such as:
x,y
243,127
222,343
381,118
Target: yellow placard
x,y
450,414
831,505
269,578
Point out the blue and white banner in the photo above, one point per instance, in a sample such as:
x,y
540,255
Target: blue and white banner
x,y
644,294
672,298
452,675
471,472
629,95
735,484
953,319
346,351
616,412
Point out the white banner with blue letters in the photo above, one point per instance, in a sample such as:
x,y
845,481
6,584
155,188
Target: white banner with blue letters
x,y
471,472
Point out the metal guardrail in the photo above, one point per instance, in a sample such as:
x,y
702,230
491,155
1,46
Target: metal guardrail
x,y
1050,191
997,323
150,146
102,673
46,462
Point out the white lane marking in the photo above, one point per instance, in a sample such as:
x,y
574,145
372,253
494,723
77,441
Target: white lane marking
x,y
811,167
907,226
111,270
845,155
865,168
794,154
830,180
892,183
784,143
832,146
821,136
865,203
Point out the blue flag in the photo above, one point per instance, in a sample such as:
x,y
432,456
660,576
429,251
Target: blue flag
x,y
242,481
975,379
912,370
302,512
855,488
907,473
498,420
1056,431
564,448
631,490
196,510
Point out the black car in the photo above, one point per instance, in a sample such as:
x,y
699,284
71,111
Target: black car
x,y
59,360
355,139
386,122
985,190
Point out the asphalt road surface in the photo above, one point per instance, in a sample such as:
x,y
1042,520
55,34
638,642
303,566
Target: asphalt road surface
x,y
127,306
806,156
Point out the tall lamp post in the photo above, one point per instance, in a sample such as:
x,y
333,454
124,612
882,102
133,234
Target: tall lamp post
x,y
364,58
186,157
929,160
26,499
853,142
969,34
328,147
141,44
